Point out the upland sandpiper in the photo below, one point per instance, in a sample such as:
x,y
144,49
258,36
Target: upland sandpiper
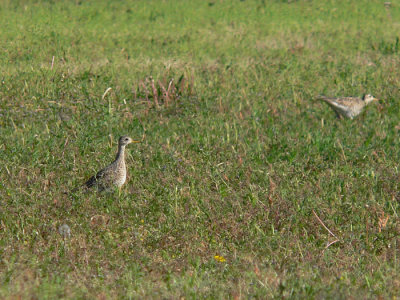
x,y
348,107
115,173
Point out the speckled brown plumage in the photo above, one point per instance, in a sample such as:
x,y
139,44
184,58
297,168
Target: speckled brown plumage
x,y
348,107
115,173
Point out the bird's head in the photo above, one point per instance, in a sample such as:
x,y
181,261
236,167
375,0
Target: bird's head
x,y
125,140
369,98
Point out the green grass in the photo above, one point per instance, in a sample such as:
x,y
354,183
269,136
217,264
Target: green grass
x,y
233,164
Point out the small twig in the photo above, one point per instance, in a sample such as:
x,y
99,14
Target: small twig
x,y
169,88
65,145
52,63
8,171
105,93
331,243
170,84
394,211
154,91
341,148
322,223
111,140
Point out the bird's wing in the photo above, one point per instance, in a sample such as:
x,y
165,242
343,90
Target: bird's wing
x,y
98,177
343,102
333,103
348,101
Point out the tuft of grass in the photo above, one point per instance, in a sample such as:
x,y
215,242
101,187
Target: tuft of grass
x,y
241,172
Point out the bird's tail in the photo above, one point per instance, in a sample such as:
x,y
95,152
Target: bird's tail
x,y
74,190
321,97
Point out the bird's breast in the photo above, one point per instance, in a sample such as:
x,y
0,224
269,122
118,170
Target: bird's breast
x,y
120,176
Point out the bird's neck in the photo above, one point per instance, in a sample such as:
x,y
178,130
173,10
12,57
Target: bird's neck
x,y
121,154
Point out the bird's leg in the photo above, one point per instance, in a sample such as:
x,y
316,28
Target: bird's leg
x,y
119,192
339,116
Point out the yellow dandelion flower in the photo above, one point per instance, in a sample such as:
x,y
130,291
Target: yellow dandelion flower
x,y
219,258
142,221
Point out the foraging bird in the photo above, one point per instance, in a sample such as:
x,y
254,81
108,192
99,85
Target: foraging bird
x,y
348,107
115,173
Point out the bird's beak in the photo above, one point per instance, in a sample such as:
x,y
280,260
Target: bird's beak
x,y
136,141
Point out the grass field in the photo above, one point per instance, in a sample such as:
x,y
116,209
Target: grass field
x,y
240,169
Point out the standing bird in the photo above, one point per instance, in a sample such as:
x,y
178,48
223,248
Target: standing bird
x,y
115,173
348,107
